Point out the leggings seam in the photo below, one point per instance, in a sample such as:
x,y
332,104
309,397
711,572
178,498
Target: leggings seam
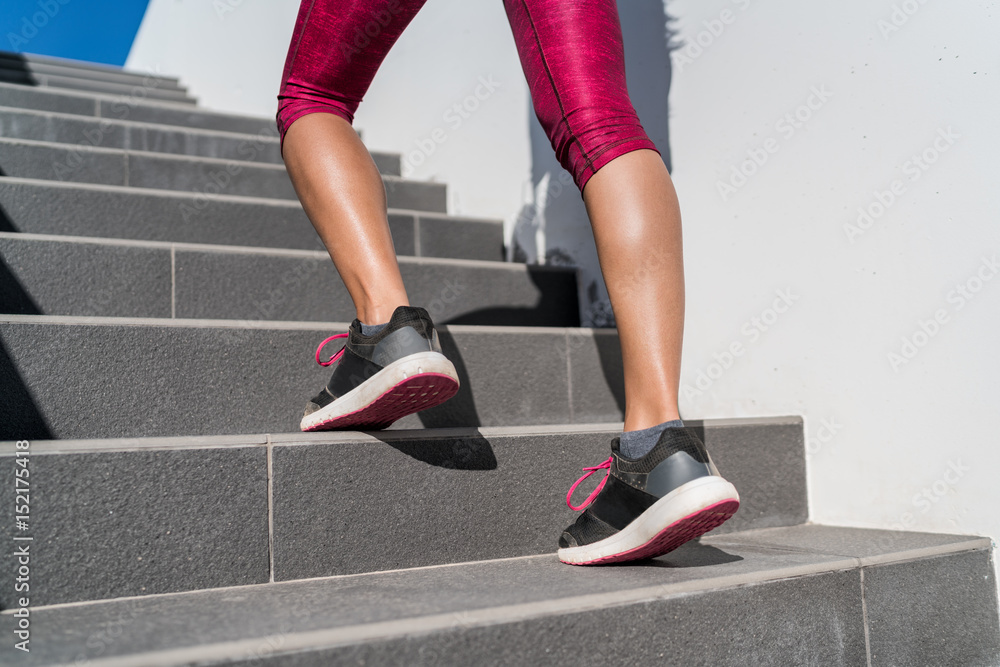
x,y
555,91
305,21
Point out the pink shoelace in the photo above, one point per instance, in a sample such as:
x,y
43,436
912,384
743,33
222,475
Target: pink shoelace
x,y
335,357
593,494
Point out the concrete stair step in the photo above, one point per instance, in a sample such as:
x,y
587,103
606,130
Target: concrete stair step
x,y
112,278
106,211
150,89
175,514
135,105
25,158
80,377
157,138
789,596
32,63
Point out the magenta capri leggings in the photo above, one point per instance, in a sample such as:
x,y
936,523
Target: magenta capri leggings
x,y
570,50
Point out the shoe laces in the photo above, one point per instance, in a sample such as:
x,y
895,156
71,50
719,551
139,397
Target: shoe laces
x,y
593,494
336,356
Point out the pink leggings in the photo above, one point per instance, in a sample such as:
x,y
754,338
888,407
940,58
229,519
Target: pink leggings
x,y
570,50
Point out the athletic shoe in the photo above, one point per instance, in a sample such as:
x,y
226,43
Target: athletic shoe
x,y
383,377
647,507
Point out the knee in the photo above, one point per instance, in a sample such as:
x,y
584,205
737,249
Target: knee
x,y
293,103
586,139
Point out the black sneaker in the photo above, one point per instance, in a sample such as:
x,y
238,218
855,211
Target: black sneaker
x,y
383,377
644,508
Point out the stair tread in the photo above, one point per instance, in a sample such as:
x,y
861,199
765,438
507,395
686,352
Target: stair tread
x,y
89,103
134,190
181,628
275,252
13,58
60,115
187,173
80,445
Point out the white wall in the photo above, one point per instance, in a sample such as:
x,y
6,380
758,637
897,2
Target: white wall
x,y
229,53
776,242
928,425
232,59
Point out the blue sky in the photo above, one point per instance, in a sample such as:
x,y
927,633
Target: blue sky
x,y
94,30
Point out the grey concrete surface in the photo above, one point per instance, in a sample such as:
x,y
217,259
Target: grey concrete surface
x,y
699,605
137,523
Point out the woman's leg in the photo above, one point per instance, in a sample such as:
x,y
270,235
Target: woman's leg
x,y
661,489
637,227
391,364
336,48
573,59
342,193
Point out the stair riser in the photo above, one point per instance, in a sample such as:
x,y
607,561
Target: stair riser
x,y
120,373
132,106
105,133
40,207
148,170
111,280
14,63
814,620
150,89
441,499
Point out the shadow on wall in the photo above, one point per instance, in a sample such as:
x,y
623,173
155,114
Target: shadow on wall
x,y
553,228
556,306
14,69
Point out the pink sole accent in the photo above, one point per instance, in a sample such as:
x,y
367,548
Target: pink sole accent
x,y
676,534
415,393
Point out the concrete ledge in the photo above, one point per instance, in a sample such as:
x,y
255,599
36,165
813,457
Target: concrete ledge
x,y
87,210
507,611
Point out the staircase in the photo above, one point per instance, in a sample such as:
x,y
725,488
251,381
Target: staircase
x,y
162,296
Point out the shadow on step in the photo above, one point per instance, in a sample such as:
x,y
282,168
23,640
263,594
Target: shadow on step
x,y
692,554
6,224
557,304
461,409
14,298
469,453
14,69
20,418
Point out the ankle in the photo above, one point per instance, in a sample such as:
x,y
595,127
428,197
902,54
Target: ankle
x,y
381,313
640,420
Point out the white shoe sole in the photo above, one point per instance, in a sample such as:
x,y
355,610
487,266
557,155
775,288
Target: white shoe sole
x,y
413,383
